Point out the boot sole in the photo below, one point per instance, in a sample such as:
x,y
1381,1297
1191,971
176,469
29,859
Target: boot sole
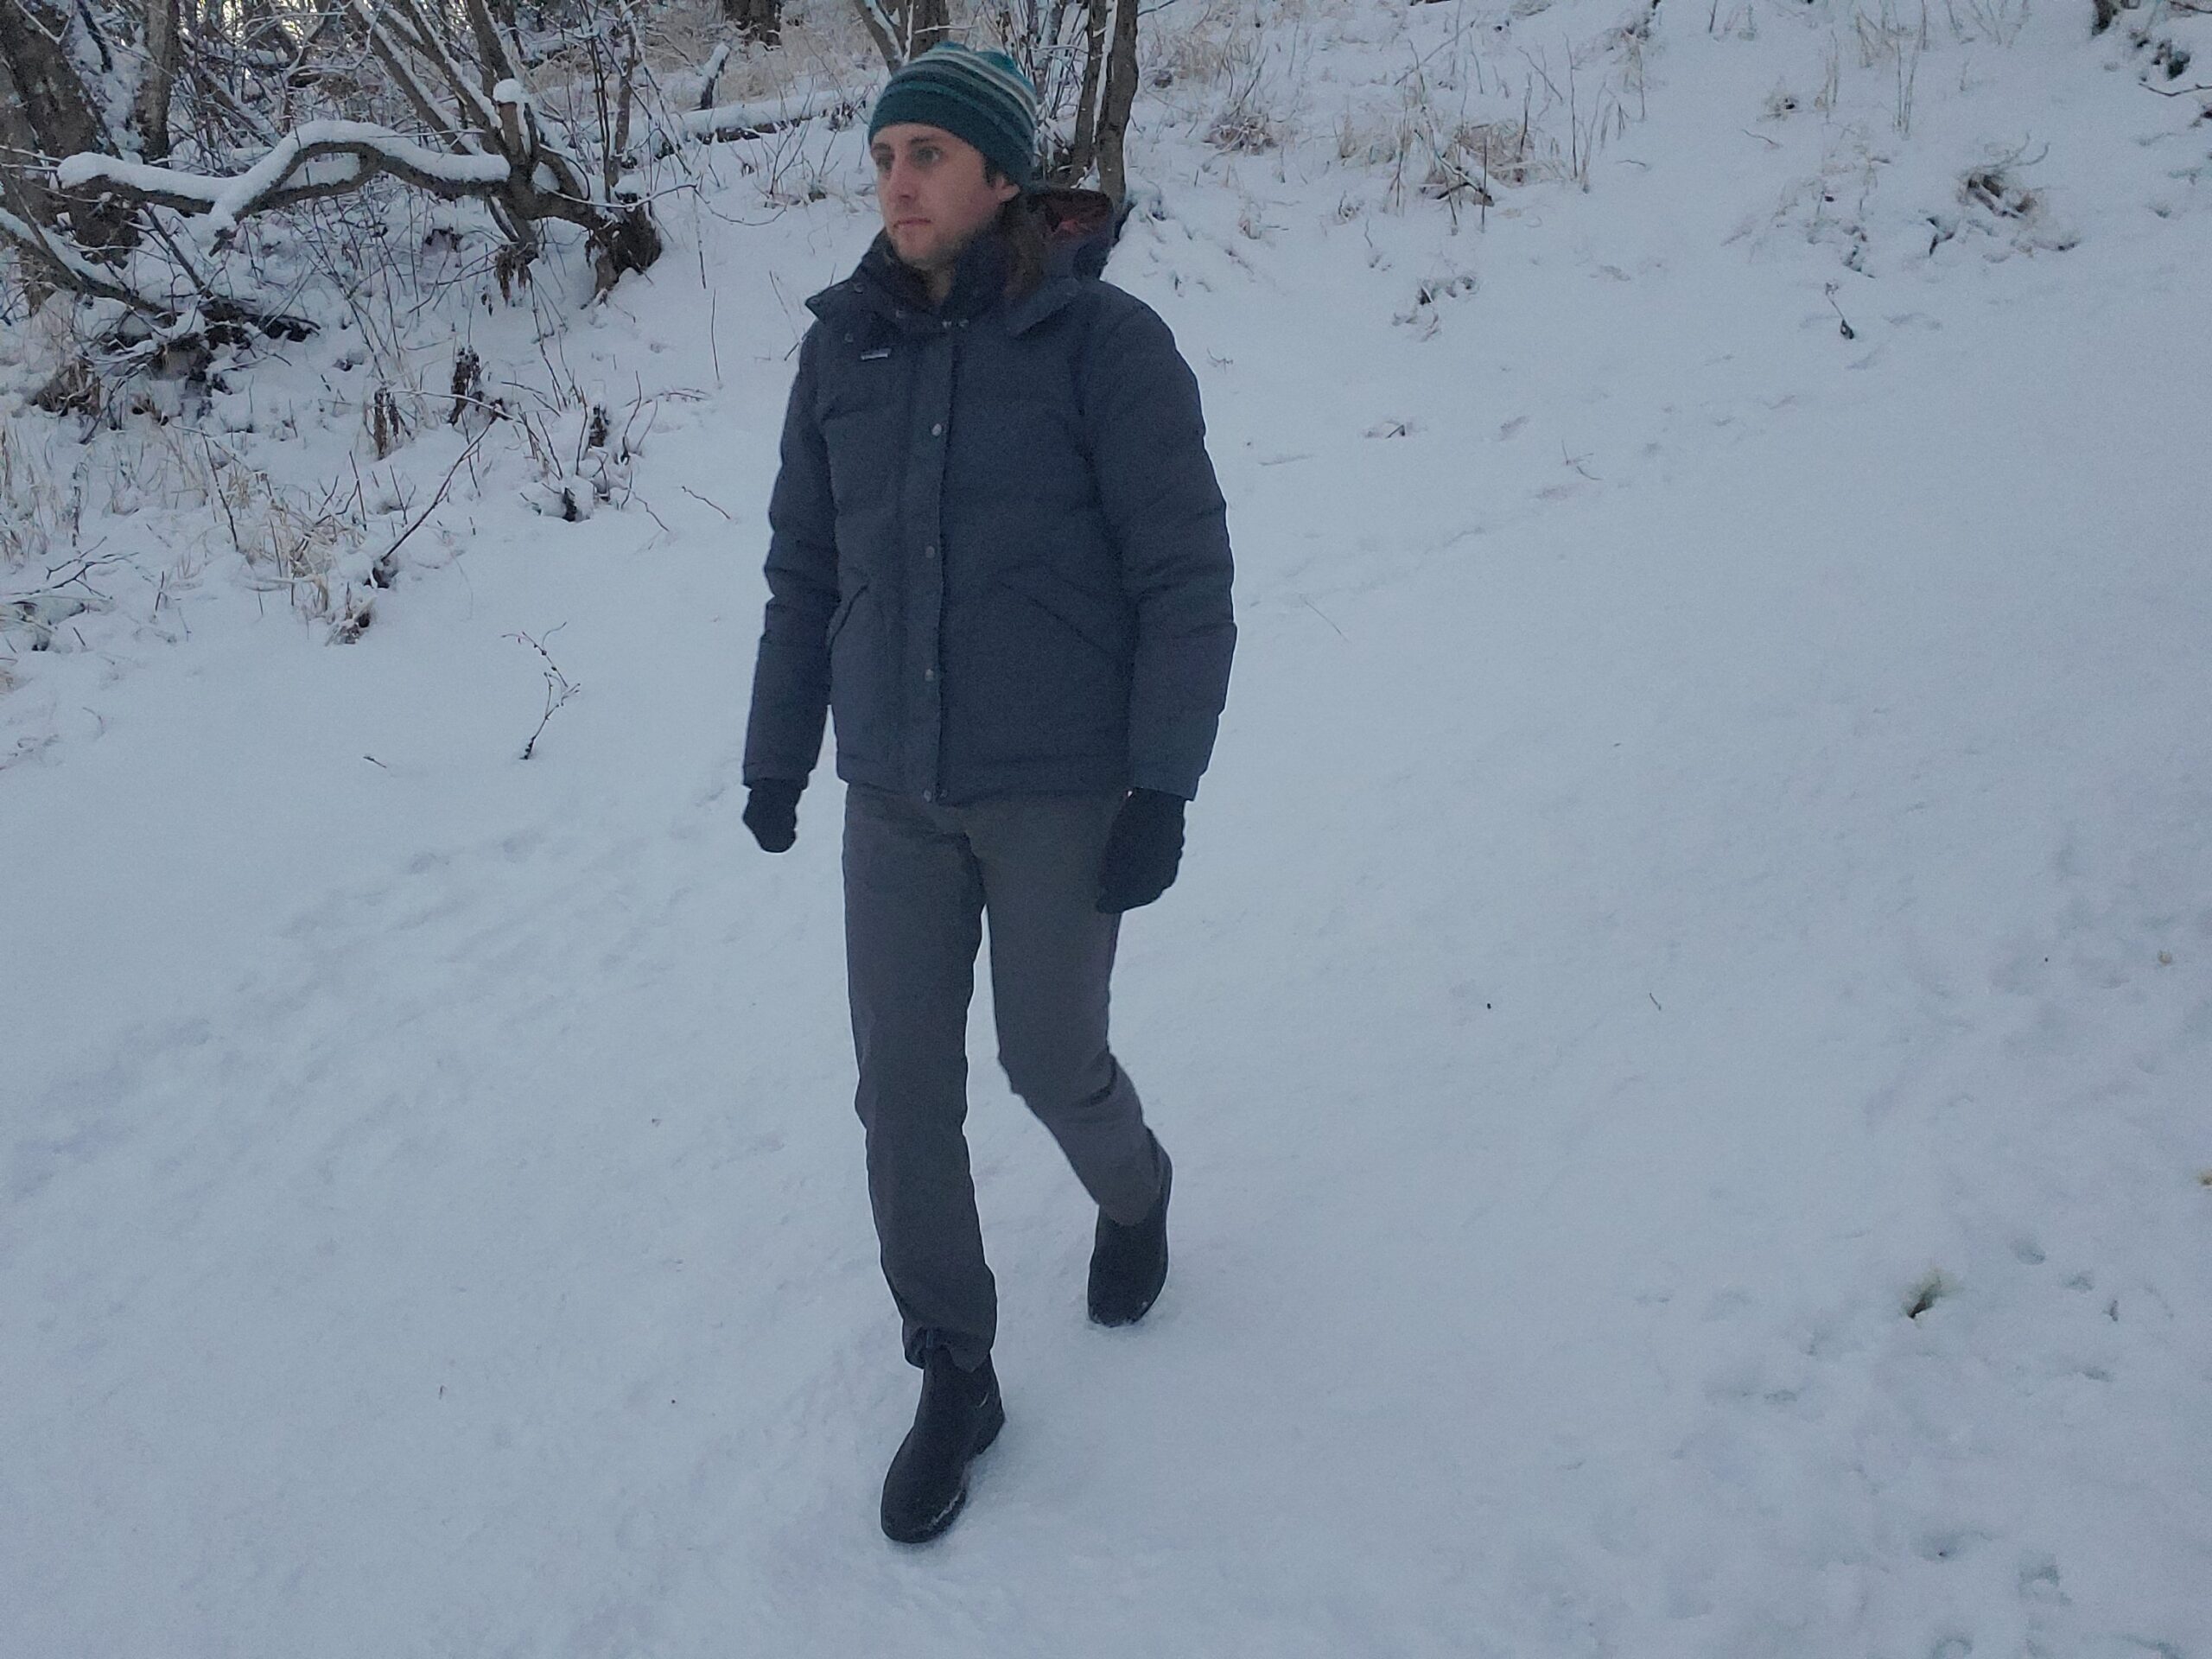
x,y
1115,1321
938,1524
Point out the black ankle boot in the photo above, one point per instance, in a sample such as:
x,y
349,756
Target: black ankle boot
x,y
1129,1264
960,1415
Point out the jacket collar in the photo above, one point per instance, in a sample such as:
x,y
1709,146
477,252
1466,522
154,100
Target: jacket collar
x,y
883,285
1079,229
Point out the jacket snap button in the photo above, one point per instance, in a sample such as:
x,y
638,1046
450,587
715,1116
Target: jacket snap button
x,y
938,431
928,795
930,552
929,673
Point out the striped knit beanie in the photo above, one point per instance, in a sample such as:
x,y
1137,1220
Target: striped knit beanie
x,y
979,96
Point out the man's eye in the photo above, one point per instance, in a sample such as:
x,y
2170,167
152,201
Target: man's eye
x,y
926,155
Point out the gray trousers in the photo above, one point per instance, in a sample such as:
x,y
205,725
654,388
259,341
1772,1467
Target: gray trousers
x,y
918,881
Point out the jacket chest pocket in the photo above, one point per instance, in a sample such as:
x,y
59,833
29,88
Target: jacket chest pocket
x,y
867,459
861,410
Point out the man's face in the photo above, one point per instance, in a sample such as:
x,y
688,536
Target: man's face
x,y
935,199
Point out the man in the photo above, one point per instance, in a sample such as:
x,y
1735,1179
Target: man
x,y
998,551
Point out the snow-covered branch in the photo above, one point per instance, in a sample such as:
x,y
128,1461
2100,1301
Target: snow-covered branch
x,y
748,118
64,260
321,158
754,116
128,287
476,133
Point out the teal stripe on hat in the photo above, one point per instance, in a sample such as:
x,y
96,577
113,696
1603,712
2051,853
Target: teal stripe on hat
x,y
982,96
996,67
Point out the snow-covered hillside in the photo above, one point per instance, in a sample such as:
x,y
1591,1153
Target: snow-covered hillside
x,y
1684,1030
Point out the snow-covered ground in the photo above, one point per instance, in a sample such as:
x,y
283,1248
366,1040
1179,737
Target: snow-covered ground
x,y
1685,1029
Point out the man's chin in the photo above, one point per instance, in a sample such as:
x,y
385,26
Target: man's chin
x,y
918,249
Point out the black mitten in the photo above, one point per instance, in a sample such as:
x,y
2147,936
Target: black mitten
x,y
771,813
1142,851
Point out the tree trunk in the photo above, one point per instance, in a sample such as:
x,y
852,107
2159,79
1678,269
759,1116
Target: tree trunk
x,y
1077,165
34,41
759,20
164,52
880,26
1121,93
61,116
22,190
928,22
1101,106
904,29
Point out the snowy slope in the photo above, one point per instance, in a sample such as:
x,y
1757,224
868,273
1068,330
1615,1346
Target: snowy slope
x,y
1707,856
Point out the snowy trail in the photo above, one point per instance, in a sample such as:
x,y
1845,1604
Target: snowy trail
x,y
1656,913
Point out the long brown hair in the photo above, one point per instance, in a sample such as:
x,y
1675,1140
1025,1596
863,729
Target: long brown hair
x,y
1022,229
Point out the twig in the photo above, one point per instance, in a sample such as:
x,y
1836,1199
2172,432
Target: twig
x,y
695,496
214,478
558,687
1842,322
1319,611
438,496
85,563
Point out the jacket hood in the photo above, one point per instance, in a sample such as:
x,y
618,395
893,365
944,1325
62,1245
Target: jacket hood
x,y
1081,228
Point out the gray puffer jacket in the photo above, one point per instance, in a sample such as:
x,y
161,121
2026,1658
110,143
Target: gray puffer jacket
x,y
998,549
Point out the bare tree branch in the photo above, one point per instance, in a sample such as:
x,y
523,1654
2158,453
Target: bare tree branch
x,y
323,158
70,269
